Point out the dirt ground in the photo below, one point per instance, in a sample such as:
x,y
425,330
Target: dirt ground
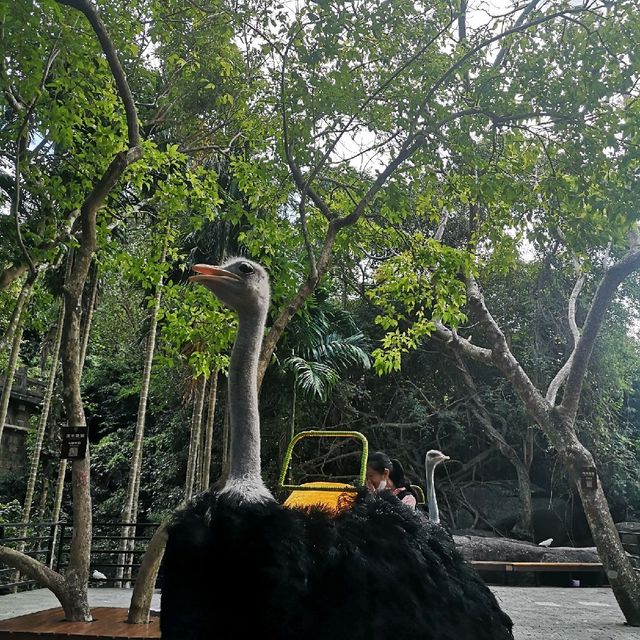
x,y
539,613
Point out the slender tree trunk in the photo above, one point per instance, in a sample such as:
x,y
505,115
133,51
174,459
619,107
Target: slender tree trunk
x,y
88,317
225,444
9,376
194,441
129,511
524,524
57,499
23,299
14,355
208,440
42,424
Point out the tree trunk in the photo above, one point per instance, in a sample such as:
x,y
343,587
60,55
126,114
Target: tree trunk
x,y
224,472
558,423
16,315
194,441
88,318
524,525
9,377
208,440
13,356
129,511
146,580
624,580
77,574
42,424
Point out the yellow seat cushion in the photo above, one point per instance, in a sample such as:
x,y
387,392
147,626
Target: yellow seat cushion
x,y
331,501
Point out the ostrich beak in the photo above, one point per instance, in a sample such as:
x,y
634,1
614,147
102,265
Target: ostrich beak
x,y
207,273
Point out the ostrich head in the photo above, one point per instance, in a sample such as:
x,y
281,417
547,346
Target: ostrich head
x,y
240,284
432,460
243,286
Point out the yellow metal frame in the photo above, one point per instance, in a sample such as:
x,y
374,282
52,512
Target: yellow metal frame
x,y
419,492
356,435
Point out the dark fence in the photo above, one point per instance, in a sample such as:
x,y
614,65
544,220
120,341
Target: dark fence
x,y
50,543
36,539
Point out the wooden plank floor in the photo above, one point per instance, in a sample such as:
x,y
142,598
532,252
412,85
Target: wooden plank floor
x,y
108,624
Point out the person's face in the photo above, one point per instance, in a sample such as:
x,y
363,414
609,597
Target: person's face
x,y
375,479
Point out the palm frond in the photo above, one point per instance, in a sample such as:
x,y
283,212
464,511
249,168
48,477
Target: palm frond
x,y
341,352
313,378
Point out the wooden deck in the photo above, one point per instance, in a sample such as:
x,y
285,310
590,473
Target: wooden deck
x,y
109,623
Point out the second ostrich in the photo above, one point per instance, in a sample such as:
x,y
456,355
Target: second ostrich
x,y
431,461
238,564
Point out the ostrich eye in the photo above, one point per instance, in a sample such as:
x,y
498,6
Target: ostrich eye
x,y
245,267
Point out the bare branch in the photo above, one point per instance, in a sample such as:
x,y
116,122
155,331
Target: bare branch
x,y
411,144
562,374
302,184
480,411
372,97
605,292
441,226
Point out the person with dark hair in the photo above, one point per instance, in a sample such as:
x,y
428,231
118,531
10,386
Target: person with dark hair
x,y
387,474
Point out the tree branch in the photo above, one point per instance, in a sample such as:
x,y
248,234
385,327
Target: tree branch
x,y
485,43
449,337
479,410
605,292
397,72
91,12
504,360
518,23
298,300
303,185
561,376
411,144
34,569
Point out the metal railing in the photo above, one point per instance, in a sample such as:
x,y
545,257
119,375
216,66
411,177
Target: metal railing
x,y
50,542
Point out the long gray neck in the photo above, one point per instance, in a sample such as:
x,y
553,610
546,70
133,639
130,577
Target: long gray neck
x,y
432,501
244,445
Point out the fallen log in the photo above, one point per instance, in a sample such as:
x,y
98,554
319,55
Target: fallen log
x,y
508,550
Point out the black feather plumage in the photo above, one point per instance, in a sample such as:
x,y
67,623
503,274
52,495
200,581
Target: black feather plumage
x,y
377,570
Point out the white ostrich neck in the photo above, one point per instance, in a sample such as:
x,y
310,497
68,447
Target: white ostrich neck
x,y
244,446
245,481
432,501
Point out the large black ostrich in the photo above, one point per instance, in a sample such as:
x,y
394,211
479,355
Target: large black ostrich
x,y
240,565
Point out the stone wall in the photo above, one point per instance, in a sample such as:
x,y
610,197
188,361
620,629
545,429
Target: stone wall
x,y
25,400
